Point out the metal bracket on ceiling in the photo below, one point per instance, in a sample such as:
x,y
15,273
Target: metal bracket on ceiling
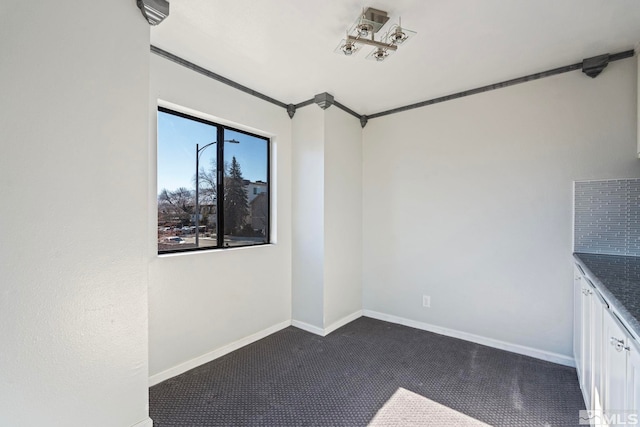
x,y
592,67
363,121
155,11
291,110
377,17
324,100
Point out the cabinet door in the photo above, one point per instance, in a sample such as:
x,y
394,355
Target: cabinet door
x,y
633,378
577,320
598,307
587,344
614,366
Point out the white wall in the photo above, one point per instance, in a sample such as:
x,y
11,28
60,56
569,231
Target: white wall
x,y
201,302
308,216
327,218
73,217
470,202
342,215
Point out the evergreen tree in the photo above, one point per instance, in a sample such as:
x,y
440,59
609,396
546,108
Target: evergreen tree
x,y
236,203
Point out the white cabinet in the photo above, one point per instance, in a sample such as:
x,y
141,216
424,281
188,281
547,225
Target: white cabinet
x,y
622,374
598,309
614,367
633,379
607,357
577,321
588,310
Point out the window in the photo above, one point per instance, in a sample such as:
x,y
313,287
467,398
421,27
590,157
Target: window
x,y
197,161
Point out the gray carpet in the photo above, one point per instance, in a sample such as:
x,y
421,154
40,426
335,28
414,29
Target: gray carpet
x,y
373,373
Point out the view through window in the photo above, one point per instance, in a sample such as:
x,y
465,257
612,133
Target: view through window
x,y
230,163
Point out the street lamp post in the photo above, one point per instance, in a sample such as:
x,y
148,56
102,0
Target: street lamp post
x,y
199,151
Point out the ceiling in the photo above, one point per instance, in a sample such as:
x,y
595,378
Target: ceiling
x,y
285,48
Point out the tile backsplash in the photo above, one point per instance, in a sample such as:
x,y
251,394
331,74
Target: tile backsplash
x,y
607,217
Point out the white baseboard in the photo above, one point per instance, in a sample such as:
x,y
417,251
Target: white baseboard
x,y
307,327
490,342
340,323
146,423
326,331
212,355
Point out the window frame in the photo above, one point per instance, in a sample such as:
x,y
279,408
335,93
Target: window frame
x,y
220,130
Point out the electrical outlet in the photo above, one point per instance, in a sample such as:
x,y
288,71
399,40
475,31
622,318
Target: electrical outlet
x,y
426,301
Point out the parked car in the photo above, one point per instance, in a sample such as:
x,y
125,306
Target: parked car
x,y
175,240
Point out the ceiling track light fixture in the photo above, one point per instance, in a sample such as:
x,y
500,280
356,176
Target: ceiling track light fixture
x,y
364,30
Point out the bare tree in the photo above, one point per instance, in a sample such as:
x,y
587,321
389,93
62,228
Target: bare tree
x,y
208,184
175,206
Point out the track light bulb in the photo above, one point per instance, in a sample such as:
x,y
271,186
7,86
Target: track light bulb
x,y
363,30
348,48
380,54
398,36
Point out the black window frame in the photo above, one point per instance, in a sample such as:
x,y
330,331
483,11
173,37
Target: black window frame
x,y
220,129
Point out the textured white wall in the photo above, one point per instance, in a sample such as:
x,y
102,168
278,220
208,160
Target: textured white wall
x,y
201,302
470,202
73,216
342,215
308,216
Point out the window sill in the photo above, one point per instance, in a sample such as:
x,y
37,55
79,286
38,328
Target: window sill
x,y
209,250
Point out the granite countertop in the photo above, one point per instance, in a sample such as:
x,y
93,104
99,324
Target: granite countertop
x,y
617,278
